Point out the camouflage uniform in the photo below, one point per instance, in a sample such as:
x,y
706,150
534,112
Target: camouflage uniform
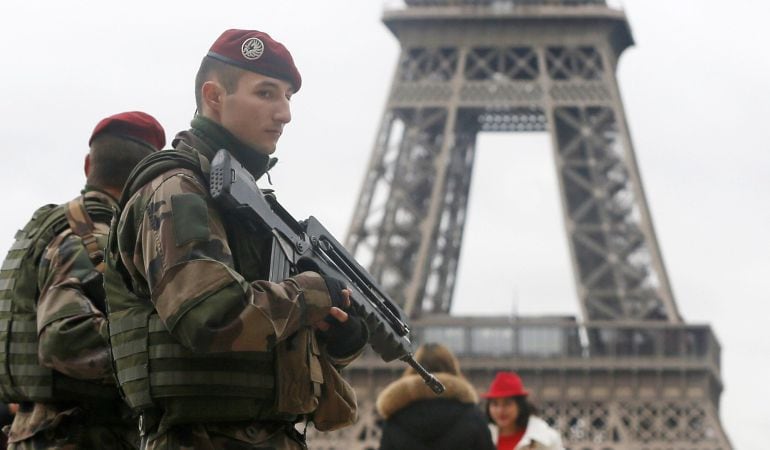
x,y
202,274
73,340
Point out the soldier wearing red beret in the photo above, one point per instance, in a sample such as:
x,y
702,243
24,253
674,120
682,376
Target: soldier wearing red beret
x,y
220,357
52,305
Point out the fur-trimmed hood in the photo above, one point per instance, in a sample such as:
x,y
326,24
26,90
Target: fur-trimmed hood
x,y
411,388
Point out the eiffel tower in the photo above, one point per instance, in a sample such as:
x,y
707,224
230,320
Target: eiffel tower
x,y
630,374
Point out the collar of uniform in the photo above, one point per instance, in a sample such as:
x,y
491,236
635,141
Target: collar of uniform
x,y
217,137
93,192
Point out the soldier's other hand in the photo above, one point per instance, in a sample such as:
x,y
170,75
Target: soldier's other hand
x,y
335,314
344,339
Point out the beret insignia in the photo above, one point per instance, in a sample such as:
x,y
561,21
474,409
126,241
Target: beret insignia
x,y
252,48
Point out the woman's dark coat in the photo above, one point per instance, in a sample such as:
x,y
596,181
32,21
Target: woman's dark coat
x,y
418,419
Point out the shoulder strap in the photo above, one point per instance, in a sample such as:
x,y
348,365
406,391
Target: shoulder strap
x,y
81,224
159,162
80,218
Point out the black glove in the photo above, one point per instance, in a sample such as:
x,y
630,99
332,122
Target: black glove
x,y
345,338
335,287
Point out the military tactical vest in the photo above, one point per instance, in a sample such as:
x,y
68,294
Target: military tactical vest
x,y
154,371
22,378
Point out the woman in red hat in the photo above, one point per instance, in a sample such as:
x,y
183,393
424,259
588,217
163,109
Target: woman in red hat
x,y
516,425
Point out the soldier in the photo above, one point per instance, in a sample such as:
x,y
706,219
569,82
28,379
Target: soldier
x,y
52,309
209,353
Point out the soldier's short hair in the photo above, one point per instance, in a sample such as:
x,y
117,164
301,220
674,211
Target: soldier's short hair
x,y
227,75
112,159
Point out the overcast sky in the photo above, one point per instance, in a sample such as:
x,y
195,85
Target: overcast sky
x,y
696,97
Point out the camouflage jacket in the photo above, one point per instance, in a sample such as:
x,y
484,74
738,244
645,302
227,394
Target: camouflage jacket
x,y
178,250
72,326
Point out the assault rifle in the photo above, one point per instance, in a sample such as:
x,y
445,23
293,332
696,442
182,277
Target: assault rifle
x,y
307,245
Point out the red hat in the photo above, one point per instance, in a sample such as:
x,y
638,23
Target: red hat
x,y
506,384
134,125
256,51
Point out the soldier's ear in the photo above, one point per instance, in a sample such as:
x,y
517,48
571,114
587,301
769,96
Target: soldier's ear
x,y
87,165
212,94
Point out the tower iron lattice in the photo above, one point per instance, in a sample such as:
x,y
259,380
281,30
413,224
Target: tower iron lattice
x,y
631,375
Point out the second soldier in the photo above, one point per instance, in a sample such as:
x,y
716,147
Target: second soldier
x,y
52,307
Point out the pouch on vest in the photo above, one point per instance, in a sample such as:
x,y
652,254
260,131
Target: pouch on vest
x,y
298,373
337,406
308,384
21,377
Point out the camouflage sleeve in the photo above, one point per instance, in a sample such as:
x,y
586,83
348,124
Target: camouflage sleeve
x,y
180,250
72,330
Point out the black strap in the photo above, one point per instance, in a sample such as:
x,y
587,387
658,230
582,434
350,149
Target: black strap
x,y
156,163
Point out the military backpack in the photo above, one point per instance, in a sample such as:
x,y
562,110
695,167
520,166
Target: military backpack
x,y
22,378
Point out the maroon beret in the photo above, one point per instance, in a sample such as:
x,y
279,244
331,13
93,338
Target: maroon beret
x,y
134,125
256,51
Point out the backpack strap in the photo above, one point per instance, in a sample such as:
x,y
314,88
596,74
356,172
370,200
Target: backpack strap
x,y
81,225
157,163
80,218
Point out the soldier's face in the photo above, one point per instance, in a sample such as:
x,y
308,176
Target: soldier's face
x,y
257,111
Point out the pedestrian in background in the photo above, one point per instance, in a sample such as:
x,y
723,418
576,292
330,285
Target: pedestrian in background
x,y
516,427
417,419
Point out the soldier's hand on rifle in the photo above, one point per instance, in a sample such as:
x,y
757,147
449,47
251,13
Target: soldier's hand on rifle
x,y
344,334
340,296
335,313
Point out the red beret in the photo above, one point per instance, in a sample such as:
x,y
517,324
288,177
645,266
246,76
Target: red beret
x,y
133,125
256,51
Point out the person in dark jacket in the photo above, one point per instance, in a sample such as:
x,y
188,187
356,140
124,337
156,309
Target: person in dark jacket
x,y
417,419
